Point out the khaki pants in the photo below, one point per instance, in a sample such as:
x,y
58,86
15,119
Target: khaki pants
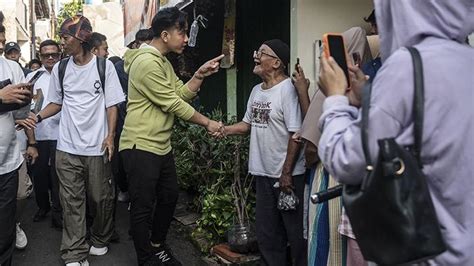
x,y
25,187
84,178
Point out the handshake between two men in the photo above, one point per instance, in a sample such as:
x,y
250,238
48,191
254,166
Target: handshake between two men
x,y
219,130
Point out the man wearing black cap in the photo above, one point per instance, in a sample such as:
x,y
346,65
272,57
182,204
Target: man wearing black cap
x,y
85,142
13,52
273,115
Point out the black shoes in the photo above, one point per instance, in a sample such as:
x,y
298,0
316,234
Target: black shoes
x,y
57,224
163,256
40,215
115,237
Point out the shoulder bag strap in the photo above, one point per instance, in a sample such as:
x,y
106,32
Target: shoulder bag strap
x,y
418,111
366,91
418,102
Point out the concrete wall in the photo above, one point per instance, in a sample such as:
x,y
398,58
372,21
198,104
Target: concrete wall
x,y
107,18
310,19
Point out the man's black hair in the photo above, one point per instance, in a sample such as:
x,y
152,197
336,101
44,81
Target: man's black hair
x,y
371,18
48,43
168,18
97,39
2,18
144,35
34,61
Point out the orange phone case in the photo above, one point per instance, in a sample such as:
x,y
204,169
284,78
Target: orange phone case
x,y
326,51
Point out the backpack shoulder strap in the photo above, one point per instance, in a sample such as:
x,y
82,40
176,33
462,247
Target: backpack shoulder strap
x,y
101,64
61,71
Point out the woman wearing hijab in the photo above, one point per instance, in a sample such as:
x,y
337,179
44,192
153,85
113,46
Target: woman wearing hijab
x,y
438,29
330,242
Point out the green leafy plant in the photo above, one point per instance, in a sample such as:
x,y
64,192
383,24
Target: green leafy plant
x,y
215,171
68,10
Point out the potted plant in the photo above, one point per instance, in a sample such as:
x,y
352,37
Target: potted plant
x,y
241,236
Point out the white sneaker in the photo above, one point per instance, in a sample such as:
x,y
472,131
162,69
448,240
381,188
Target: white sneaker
x,y
21,240
98,251
123,197
80,263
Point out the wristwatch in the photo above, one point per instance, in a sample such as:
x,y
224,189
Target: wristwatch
x,y
39,118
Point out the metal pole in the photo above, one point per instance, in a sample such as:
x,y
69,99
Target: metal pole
x,y
53,20
32,30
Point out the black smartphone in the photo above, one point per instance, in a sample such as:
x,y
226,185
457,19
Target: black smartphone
x,y
35,77
356,58
297,65
5,83
336,49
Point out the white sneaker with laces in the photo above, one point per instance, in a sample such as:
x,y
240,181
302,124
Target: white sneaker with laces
x,y
79,263
98,251
123,197
21,240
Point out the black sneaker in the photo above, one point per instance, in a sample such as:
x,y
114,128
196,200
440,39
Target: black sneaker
x,y
163,256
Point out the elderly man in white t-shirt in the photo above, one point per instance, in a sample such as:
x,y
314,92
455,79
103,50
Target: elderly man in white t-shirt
x,y
273,115
85,142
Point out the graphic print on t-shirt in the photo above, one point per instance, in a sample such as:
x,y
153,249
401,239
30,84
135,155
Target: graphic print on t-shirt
x,y
97,86
261,114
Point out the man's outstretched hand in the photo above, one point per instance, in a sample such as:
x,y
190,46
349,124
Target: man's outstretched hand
x,y
209,68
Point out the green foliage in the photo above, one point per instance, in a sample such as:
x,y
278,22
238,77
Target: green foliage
x,y
68,10
208,168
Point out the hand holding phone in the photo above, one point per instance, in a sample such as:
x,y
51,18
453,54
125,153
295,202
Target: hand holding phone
x,y
299,79
334,47
14,97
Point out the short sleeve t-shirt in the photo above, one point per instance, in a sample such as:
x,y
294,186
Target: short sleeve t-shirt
x,y
49,128
274,114
10,156
83,124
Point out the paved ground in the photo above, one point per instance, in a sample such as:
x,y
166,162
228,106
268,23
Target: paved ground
x,y
44,241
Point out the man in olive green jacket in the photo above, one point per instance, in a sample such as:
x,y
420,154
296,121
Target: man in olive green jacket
x,y
155,97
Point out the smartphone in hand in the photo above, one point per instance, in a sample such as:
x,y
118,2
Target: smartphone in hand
x,y
297,65
105,157
35,77
334,46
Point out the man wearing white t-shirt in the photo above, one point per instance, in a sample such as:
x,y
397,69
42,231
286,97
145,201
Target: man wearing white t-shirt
x,y
273,115
10,155
85,142
47,132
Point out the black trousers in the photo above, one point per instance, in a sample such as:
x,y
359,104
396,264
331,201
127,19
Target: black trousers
x,y
8,190
118,169
275,228
153,187
46,178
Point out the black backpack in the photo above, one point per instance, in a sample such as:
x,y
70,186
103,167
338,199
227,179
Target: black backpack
x,y
101,63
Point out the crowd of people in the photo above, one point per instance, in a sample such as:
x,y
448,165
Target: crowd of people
x,y
92,130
